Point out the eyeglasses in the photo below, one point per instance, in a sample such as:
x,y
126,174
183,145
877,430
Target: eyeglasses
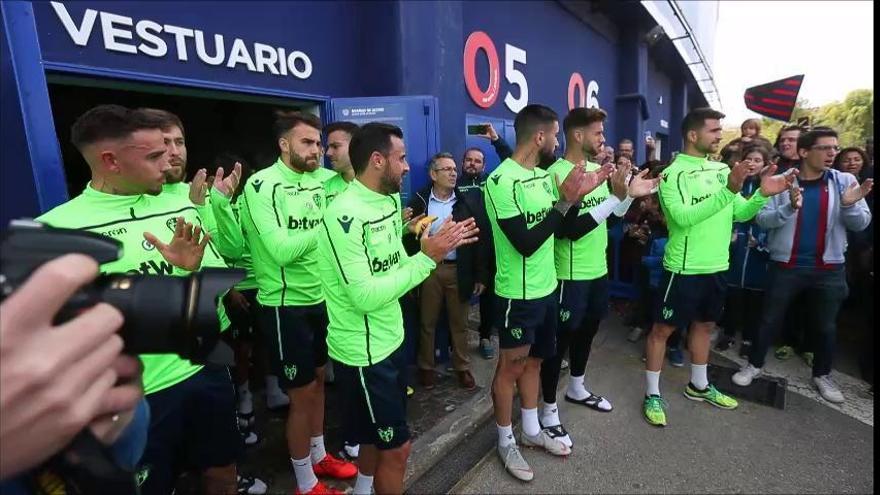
x,y
826,147
445,170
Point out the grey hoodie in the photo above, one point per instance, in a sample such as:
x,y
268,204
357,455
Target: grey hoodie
x,y
779,218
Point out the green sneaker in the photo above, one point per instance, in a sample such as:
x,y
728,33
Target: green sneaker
x,y
712,396
784,352
808,358
655,410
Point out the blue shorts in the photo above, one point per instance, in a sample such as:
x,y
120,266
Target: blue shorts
x,y
374,401
193,426
530,322
581,300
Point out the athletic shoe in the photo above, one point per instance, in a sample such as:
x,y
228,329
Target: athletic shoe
x,y
711,395
514,463
808,358
635,334
744,377
486,349
251,485
745,349
246,421
276,401
784,352
724,343
558,432
827,389
332,467
350,452
250,437
544,441
655,410
676,356
320,489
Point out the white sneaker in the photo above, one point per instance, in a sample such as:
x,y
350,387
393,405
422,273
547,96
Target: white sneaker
x,y
251,485
744,377
545,441
635,334
277,400
827,389
514,463
250,438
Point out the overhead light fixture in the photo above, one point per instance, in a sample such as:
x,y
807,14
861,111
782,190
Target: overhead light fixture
x,y
654,35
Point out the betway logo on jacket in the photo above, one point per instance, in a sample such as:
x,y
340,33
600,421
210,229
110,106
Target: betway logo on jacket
x,y
301,223
386,264
590,203
533,218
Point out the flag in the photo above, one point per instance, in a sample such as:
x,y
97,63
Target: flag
x,y
775,99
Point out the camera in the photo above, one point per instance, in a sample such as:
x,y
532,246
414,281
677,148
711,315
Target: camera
x,y
163,314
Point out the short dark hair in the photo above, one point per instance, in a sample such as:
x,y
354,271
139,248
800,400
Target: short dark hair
x,y
696,119
285,120
169,119
110,122
839,158
624,141
807,139
375,136
529,118
582,117
348,127
473,148
787,128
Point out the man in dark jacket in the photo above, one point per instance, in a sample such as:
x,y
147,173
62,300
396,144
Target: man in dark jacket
x,y
460,276
471,182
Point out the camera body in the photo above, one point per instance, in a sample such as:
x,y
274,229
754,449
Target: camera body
x,y
163,314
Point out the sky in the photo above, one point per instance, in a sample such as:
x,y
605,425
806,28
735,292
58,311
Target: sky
x,y
830,42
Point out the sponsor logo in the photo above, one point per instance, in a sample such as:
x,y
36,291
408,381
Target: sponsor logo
x,y
114,232
345,222
699,199
495,179
171,223
257,185
667,313
386,264
516,333
532,218
592,202
301,223
151,267
147,246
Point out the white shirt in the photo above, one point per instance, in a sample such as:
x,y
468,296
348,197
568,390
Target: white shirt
x,y
440,209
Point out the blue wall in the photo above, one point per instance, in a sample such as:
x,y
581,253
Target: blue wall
x,y
356,49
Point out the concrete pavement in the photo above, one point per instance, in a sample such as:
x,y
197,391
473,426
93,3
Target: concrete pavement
x,y
809,447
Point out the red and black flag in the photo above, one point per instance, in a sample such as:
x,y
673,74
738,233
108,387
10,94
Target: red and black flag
x,y
775,99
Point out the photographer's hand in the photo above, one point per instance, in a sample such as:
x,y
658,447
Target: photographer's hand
x,y
186,247
56,379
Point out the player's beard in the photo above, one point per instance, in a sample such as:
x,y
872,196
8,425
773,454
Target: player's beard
x,y
301,163
389,183
546,158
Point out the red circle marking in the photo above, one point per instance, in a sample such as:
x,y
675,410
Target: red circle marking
x,y
478,40
576,81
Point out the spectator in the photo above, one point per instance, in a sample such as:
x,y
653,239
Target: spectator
x,y
748,267
625,148
473,178
461,275
823,201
